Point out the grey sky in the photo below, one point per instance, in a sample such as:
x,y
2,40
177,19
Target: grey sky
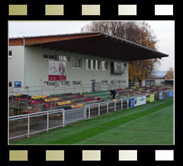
x,y
164,31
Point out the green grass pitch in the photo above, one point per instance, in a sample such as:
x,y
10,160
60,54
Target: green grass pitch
x,y
149,124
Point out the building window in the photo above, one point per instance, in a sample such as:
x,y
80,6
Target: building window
x,y
77,83
10,84
94,64
45,56
52,57
91,64
48,57
87,64
49,83
97,65
45,83
104,82
104,65
64,83
76,63
112,82
63,58
119,81
10,53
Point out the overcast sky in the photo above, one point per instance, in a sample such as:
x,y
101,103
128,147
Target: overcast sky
x,y
164,31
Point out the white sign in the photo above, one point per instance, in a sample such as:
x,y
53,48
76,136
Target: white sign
x,y
56,71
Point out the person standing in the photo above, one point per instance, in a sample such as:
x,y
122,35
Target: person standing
x,y
113,93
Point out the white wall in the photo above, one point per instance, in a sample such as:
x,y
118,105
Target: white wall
x,y
36,68
16,64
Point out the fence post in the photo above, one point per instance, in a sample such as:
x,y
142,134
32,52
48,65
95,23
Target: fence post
x,y
47,121
63,117
107,107
28,130
85,117
114,105
127,103
121,103
89,111
98,109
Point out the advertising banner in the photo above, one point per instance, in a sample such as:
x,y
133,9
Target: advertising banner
x,y
139,100
152,98
56,71
132,102
143,100
170,94
161,95
147,98
17,84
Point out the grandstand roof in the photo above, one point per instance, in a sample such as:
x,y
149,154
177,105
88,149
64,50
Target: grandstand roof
x,y
92,43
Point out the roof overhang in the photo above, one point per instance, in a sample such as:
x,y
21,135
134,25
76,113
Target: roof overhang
x,y
95,44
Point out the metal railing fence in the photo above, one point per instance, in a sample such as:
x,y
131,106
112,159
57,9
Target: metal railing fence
x,y
30,124
47,90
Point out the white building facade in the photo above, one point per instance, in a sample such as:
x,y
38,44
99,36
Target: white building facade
x,y
29,65
88,57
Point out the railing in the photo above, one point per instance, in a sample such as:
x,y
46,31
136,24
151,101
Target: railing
x,y
47,90
101,108
31,124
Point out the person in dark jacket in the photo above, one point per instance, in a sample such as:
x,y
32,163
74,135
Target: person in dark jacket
x,y
113,93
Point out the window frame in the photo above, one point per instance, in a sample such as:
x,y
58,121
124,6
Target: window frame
x,y
80,60
48,57
105,65
62,58
48,83
104,82
74,83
